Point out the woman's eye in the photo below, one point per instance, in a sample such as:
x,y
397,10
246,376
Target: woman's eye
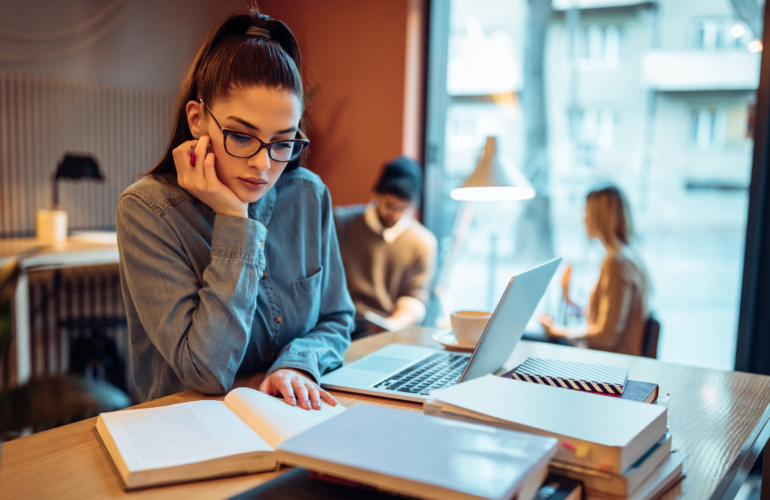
x,y
283,145
240,139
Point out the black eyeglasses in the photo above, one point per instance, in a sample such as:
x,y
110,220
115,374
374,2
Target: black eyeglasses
x,y
243,145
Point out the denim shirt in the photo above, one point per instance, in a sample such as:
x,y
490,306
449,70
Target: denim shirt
x,y
211,296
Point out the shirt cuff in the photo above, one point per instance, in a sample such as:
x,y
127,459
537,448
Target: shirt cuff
x,y
237,238
414,305
301,360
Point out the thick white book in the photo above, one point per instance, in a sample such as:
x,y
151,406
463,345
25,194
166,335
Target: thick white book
x,y
422,456
622,485
666,475
596,431
203,439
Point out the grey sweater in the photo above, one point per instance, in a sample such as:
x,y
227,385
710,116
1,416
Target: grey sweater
x,y
379,273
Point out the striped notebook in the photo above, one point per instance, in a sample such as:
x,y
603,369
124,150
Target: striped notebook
x,y
569,375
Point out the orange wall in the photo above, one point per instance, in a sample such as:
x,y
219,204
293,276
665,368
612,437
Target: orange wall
x,y
357,52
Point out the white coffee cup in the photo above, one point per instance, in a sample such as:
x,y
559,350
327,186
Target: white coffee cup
x,y
469,325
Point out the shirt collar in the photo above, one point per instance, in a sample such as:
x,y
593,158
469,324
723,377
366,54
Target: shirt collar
x,y
262,209
389,234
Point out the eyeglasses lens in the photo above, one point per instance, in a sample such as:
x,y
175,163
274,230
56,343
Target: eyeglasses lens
x,y
244,146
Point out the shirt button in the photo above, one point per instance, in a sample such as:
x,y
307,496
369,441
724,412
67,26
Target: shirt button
x,y
277,320
264,275
261,245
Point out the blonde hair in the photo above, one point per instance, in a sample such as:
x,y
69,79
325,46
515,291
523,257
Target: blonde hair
x,y
608,217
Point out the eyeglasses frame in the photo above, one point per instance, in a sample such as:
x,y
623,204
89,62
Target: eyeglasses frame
x,y
262,145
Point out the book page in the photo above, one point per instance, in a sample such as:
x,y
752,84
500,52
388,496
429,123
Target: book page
x,y
180,434
274,419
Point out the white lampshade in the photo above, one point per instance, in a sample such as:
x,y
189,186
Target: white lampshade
x,y
492,182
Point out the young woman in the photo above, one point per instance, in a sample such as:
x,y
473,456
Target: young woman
x,y
617,309
228,254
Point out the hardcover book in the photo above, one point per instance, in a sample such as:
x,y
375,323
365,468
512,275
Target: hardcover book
x,y
597,432
422,456
601,379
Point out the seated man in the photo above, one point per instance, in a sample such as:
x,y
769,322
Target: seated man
x,y
388,255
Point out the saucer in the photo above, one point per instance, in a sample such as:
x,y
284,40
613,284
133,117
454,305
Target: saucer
x,y
449,341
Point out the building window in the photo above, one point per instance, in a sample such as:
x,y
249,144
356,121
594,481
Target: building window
x,y
599,46
719,34
708,126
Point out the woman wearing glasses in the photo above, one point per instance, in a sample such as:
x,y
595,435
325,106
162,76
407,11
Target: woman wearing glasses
x,y
228,254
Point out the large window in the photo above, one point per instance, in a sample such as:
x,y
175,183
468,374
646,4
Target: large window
x,y
635,95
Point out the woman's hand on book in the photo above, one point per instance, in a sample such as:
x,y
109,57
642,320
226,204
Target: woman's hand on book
x,y
200,179
296,388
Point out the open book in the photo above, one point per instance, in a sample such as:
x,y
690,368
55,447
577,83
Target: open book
x,y
203,439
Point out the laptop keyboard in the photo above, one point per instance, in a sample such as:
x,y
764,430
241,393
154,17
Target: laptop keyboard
x,y
434,372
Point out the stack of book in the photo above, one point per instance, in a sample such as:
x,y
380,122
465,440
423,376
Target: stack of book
x,y
617,448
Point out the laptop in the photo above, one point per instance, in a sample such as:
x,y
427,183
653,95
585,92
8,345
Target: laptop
x,y
409,372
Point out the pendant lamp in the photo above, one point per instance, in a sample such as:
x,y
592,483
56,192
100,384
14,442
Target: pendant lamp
x,y
490,181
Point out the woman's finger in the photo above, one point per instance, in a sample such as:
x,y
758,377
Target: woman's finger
x,y
286,390
327,397
210,173
200,153
301,392
312,392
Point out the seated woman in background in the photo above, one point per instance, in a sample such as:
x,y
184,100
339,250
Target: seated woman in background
x,y
617,309
229,261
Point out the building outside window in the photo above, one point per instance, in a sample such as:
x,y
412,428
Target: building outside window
x,y
668,125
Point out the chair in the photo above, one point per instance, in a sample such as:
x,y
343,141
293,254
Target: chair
x,y
93,352
651,337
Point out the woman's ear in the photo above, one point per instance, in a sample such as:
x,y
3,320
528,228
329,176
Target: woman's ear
x,y
194,118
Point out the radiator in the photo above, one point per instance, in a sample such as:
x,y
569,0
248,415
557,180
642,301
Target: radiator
x,y
42,118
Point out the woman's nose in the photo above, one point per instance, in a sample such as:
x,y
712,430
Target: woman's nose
x,y
260,161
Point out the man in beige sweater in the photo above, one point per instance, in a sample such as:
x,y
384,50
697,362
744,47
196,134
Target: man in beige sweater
x,y
388,255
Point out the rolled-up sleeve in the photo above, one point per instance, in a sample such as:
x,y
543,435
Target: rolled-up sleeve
x,y
323,348
201,326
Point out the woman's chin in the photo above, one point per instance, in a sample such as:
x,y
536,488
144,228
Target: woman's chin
x,y
250,196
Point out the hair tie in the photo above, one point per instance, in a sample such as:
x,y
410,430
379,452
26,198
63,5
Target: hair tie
x,y
258,32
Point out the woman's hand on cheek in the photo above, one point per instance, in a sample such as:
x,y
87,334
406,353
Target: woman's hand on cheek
x,y
201,179
296,389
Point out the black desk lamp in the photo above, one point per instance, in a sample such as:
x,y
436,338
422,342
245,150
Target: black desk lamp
x,y
51,225
76,168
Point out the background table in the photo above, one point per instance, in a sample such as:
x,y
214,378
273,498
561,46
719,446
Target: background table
x,y
77,251
718,418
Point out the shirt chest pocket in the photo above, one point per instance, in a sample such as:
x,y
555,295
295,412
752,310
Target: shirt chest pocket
x,y
307,298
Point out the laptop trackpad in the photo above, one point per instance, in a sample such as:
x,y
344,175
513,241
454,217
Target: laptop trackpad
x,y
380,364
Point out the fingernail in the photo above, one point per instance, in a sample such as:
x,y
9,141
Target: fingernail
x,y
292,401
317,405
306,405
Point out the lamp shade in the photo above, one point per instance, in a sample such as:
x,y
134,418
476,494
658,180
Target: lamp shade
x,y
74,167
491,182
78,167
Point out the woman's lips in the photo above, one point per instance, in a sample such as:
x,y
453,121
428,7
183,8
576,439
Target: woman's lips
x,y
253,183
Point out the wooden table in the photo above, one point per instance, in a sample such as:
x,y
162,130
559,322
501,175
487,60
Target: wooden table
x,y
718,418
80,251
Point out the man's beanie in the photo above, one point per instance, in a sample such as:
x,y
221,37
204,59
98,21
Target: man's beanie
x,y
401,177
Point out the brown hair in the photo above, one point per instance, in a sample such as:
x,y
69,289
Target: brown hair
x,y
229,60
608,214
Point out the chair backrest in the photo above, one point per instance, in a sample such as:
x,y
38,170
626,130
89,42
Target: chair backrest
x,y
651,337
